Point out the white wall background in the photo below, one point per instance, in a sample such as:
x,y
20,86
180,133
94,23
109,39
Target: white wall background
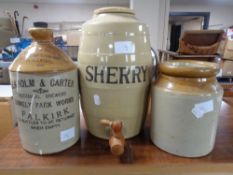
x,y
53,12
152,12
193,24
155,14
221,16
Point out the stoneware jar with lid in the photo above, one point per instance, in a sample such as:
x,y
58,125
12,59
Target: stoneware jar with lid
x,y
115,65
186,101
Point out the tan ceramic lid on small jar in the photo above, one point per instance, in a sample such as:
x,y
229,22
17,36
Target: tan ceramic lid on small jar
x,y
45,92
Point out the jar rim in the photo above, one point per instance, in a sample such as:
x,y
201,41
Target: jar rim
x,y
113,10
189,68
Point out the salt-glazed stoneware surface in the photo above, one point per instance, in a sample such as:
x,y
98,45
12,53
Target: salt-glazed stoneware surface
x,y
186,102
45,92
115,66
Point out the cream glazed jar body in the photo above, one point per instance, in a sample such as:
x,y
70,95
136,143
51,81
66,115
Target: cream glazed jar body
x,y
45,91
186,102
115,65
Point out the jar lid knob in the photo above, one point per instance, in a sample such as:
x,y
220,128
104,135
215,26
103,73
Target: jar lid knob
x,y
41,34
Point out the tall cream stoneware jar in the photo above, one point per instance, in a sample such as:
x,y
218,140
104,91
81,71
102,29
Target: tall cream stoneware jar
x,y
45,92
186,102
115,64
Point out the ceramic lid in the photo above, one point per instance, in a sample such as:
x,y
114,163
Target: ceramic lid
x,y
189,68
113,10
42,56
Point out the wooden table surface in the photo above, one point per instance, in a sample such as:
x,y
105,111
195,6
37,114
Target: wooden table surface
x,y
91,155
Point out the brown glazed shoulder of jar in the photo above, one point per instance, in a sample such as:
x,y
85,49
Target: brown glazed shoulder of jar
x,y
42,56
188,77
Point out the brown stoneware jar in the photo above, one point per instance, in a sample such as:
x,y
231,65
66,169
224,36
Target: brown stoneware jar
x,y
45,92
186,102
